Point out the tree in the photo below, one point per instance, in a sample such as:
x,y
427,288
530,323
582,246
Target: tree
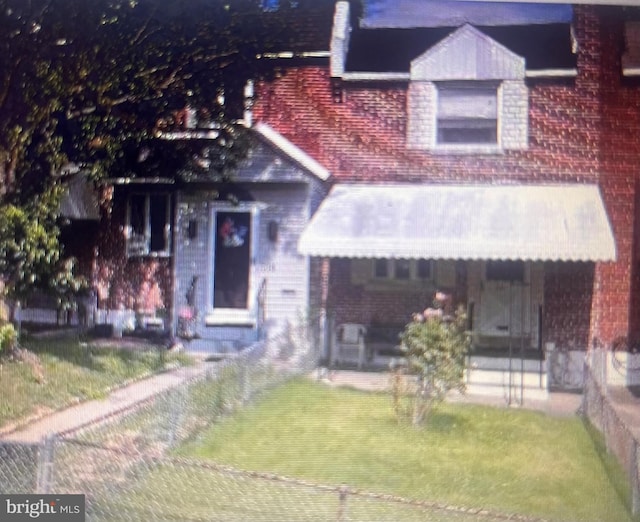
x,y
436,344
94,83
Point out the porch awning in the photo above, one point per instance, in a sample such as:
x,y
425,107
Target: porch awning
x,y
526,222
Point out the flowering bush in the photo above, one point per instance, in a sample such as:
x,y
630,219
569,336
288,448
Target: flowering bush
x,y
436,344
187,322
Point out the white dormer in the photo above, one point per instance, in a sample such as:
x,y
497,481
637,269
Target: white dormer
x,y
467,95
468,54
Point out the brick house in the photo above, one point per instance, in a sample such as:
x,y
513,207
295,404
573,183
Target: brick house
x,y
488,150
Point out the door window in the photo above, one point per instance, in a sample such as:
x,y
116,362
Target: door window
x,y
232,260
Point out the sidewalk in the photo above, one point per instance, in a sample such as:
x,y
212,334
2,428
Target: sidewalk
x,y
120,399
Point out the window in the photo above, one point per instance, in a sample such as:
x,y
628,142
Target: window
x,y
505,271
423,269
467,95
467,113
402,269
148,224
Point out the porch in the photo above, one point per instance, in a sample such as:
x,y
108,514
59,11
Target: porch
x,y
520,259
514,373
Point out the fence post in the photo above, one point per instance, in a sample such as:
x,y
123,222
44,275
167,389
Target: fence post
x,y
342,504
177,406
245,382
635,482
45,464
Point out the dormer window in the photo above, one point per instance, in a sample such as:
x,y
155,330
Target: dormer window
x,y
467,113
467,95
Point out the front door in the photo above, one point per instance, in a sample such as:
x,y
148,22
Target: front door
x,y
505,309
232,260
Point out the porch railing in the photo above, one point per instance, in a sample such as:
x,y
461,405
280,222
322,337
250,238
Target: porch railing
x,y
261,305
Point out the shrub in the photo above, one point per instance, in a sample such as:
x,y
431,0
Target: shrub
x,y
8,339
436,344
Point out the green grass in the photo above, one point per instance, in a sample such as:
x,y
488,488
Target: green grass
x,y
505,460
172,492
73,371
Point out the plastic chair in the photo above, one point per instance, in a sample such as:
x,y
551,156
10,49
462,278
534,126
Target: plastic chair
x,y
349,343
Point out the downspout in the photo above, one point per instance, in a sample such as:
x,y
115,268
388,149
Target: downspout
x,y
325,321
174,278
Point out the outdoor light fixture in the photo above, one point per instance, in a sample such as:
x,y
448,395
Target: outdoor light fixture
x,y
272,231
192,229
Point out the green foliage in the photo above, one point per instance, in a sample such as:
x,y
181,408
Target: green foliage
x,y
94,83
8,338
436,345
28,248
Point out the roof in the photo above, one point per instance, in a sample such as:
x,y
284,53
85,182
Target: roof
x,y
527,222
452,13
291,151
547,46
80,201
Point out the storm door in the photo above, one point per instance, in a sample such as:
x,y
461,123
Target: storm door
x,y
232,259
504,305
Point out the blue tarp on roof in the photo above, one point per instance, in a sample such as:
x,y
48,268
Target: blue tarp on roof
x,y
380,14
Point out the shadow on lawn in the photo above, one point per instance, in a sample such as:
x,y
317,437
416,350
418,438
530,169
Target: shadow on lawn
x,y
445,422
88,353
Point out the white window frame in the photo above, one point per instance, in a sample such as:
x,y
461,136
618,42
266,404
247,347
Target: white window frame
x,y
233,316
141,246
471,86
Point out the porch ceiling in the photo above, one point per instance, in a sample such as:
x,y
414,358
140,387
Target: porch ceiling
x,y
527,222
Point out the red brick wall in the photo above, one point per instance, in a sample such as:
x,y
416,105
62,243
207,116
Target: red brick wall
x,y
354,303
568,291
617,131
364,138
127,283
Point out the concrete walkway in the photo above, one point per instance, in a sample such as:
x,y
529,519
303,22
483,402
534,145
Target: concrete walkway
x,y
558,404
120,399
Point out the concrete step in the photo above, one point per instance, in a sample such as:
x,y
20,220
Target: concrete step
x,y
502,392
502,378
503,363
528,386
214,346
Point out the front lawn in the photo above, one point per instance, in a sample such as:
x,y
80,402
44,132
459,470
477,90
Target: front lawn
x,y
511,461
70,371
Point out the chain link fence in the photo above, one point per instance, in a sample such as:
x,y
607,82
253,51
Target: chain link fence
x,y
127,467
19,465
599,409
